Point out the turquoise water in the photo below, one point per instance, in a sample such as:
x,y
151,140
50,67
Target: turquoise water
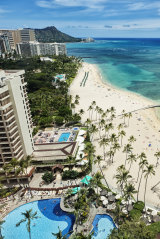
x,y
51,217
130,64
64,137
102,226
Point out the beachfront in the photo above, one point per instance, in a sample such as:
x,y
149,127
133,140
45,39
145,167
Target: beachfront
x,y
144,126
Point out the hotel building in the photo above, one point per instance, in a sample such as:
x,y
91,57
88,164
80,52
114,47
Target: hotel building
x,y
15,118
17,36
28,49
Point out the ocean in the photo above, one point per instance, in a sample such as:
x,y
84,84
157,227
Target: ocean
x,y
129,64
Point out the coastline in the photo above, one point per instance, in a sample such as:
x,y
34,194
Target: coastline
x,y
137,96
144,124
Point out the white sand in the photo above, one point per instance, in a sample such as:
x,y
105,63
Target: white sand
x,y
145,130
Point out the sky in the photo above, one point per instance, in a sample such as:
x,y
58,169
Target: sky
x,y
85,18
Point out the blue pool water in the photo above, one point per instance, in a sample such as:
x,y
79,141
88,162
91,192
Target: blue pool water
x,y
64,137
51,218
102,226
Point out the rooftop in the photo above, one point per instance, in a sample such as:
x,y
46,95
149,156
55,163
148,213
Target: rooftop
x,y
54,151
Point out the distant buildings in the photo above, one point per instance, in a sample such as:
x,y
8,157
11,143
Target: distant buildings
x,y
27,49
24,42
17,36
15,118
87,40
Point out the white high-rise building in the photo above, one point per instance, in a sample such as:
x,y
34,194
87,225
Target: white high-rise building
x,y
28,49
15,117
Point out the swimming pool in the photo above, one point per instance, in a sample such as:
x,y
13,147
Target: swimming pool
x,y
64,137
51,218
102,226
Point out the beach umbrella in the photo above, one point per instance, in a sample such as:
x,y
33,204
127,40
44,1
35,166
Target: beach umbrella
x,y
113,206
111,198
123,202
154,213
109,207
86,179
105,202
109,193
81,132
75,190
124,211
118,196
103,192
102,198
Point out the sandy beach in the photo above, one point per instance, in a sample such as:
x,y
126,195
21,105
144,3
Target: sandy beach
x,y
143,125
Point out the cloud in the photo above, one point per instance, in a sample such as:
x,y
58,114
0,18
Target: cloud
x,y
3,10
71,3
107,26
143,6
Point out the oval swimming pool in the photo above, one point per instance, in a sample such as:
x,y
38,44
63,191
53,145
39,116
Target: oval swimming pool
x,y
51,219
102,226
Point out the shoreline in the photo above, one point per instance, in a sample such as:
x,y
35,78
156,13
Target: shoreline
x,y
144,125
135,95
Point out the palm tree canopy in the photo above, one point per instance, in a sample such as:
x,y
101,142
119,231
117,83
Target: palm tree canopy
x,y
28,216
149,170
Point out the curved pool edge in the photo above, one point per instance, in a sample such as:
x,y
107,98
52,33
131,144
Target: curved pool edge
x,y
58,215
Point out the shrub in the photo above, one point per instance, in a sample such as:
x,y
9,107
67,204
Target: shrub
x,y
139,206
59,120
48,177
70,174
135,214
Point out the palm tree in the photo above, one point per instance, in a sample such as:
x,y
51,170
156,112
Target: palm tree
x,y
59,234
125,115
111,154
97,110
73,107
28,217
88,121
157,155
81,112
116,147
101,125
120,126
76,102
122,177
14,163
131,158
90,110
141,157
129,190
98,160
148,172
131,139
93,129
127,149
104,142
113,139
90,150
77,97
143,163
100,111
122,133
97,180
129,116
